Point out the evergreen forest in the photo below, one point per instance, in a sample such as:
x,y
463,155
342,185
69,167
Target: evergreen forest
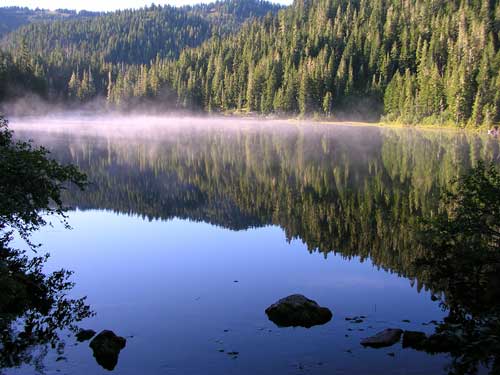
x,y
407,61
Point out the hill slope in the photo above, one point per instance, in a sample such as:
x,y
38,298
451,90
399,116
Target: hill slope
x,y
431,61
426,60
11,18
134,36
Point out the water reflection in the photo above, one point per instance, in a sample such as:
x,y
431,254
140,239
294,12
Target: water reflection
x,y
356,192
353,191
34,309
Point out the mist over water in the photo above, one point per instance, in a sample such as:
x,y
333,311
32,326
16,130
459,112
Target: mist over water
x,y
191,227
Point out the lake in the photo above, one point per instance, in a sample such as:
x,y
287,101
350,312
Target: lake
x,y
191,228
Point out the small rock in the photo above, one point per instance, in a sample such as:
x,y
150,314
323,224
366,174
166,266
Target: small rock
x,y
392,354
58,359
387,337
297,310
106,347
413,339
85,334
233,353
406,321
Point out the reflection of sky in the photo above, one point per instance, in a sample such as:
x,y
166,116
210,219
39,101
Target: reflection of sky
x,y
171,285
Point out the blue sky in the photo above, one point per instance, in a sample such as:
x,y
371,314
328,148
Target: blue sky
x,y
100,4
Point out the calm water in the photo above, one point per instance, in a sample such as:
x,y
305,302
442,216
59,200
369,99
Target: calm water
x,y
191,228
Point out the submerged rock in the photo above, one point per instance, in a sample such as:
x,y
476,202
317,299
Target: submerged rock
x,y
387,337
106,347
297,310
414,339
85,334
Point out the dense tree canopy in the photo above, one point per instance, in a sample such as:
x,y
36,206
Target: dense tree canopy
x,y
14,17
432,59
416,61
81,58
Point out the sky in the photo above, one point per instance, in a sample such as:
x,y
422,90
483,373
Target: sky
x,y
100,5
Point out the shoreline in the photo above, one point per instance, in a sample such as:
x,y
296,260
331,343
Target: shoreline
x,y
82,115
357,123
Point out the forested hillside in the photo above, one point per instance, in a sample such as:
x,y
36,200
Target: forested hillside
x,y
78,58
135,36
129,36
426,59
411,61
12,18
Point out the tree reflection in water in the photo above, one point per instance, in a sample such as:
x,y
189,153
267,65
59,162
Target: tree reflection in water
x,y
342,190
462,262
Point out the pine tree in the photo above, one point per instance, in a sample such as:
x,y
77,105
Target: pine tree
x,y
73,86
328,103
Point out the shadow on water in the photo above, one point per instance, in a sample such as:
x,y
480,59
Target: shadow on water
x,y
357,192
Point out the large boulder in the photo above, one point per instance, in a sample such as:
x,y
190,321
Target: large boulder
x,y
297,310
387,337
106,347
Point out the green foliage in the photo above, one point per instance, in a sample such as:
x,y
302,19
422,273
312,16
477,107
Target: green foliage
x,y
126,51
14,17
30,184
21,74
425,61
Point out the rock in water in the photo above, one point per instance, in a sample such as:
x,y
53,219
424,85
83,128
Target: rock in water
x,y
297,310
85,334
414,339
106,347
387,337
